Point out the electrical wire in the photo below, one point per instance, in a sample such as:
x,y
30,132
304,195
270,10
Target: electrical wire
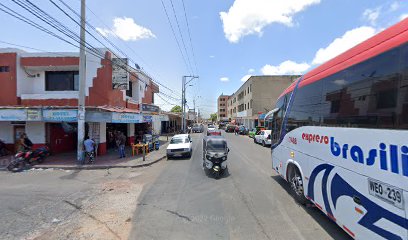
x,y
189,35
175,37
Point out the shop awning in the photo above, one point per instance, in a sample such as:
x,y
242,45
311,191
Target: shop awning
x,y
270,113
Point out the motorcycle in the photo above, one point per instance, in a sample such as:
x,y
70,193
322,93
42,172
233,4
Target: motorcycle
x,y
22,160
215,155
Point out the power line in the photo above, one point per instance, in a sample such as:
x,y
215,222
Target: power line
x,y
189,35
43,16
175,37
181,35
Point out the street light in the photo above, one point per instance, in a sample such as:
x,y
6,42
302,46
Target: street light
x,y
183,99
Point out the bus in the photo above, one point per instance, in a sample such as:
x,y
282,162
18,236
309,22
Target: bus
x,y
340,137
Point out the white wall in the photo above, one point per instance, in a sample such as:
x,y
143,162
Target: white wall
x,y
131,129
6,132
156,124
36,85
102,129
36,132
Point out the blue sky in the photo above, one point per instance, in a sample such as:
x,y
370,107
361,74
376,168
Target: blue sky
x,y
231,39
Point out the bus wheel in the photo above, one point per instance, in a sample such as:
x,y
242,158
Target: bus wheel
x,y
296,184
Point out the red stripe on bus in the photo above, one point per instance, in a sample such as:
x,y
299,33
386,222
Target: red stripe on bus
x,y
317,205
391,37
348,231
331,217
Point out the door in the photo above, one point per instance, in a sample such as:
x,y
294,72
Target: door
x,y
60,141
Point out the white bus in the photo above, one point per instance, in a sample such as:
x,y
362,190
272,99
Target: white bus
x,y
340,137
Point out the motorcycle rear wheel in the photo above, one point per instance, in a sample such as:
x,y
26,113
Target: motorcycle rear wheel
x,y
16,166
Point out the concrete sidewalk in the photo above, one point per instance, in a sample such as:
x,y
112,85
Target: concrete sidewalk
x,y
67,161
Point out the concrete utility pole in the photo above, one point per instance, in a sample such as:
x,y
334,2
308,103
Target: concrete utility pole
x,y
82,81
183,100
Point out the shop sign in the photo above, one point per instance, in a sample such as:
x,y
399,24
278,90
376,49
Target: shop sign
x,y
147,118
242,114
164,118
120,75
150,108
13,115
126,118
261,116
34,115
60,115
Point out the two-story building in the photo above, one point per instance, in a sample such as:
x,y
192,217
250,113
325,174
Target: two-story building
x,y
255,98
39,96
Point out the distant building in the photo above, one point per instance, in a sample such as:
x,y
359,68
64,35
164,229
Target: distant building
x,y
256,97
222,105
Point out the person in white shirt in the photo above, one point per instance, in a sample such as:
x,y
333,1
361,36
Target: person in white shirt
x,y
89,145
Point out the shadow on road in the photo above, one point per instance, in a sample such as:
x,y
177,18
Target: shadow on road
x,y
326,223
179,158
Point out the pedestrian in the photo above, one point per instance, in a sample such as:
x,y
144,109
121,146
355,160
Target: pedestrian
x,y
121,143
236,130
89,145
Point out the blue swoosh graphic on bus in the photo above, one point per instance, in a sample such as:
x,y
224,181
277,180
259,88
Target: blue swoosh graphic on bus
x,y
375,212
339,187
327,169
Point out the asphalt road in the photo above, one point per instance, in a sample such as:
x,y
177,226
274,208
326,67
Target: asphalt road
x,y
252,202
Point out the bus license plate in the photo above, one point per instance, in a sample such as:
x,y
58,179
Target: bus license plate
x,y
387,193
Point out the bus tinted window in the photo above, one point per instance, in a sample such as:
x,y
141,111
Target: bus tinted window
x,y
306,107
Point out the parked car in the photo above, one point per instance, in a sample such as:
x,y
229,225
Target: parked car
x,y
254,131
213,132
180,146
242,130
197,128
264,137
211,127
230,128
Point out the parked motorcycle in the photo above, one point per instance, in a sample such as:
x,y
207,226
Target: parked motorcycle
x,y
215,154
22,160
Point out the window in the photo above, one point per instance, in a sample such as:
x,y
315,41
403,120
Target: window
x,y
129,92
62,81
4,69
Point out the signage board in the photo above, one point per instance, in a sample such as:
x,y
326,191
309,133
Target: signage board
x,y
147,118
242,114
120,74
164,118
261,116
34,115
150,108
13,114
126,117
60,115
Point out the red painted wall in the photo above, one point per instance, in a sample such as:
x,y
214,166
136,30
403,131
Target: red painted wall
x,y
49,61
50,102
8,80
149,91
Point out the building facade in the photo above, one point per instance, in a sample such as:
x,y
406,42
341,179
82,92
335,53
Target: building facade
x,y
40,98
256,97
222,108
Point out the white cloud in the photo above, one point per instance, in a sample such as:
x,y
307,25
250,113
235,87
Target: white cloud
x,y
371,15
126,29
343,43
250,17
212,56
245,78
403,16
394,6
251,70
285,68
224,79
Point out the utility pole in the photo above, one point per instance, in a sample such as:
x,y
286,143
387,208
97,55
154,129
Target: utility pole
x,y
183,99
82,81
195,117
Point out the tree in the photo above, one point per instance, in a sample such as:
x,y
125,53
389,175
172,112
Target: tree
x,y
213,117
176,108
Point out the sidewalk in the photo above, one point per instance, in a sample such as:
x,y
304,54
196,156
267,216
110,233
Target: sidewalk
x,y
67,161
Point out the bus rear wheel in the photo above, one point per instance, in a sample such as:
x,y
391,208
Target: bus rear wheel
x,y
296,183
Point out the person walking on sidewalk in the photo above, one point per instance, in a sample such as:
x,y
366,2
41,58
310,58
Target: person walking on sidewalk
x,y
89,145
121,143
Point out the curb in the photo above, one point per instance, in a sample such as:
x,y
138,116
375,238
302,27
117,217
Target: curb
x,y
93,167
